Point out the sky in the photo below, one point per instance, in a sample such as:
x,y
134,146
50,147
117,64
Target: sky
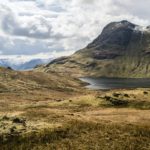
x,y
53,28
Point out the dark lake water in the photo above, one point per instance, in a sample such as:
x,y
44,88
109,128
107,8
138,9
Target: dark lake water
x,y
116,83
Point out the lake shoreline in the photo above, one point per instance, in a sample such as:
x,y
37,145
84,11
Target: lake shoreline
x,y
102,83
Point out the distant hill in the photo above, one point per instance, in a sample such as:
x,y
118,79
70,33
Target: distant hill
x,y
23,65
121,50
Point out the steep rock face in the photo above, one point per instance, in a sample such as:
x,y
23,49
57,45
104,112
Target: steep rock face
x,y
121,50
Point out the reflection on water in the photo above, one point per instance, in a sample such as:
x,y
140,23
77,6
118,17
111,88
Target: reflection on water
x,y
116,83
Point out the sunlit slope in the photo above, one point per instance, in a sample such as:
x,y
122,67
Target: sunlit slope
x,y
14,81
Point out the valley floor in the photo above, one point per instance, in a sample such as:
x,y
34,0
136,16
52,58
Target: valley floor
x,y
98,120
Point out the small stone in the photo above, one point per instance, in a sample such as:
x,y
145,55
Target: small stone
x,y
116,94
126,95
145,93
5,118
19,121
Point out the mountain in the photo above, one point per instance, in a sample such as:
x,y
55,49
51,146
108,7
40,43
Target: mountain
x,y
31,64
121,50
22,65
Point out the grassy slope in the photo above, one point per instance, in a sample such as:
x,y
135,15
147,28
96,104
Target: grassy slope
x,y
124,66
13,81
87,135
36,113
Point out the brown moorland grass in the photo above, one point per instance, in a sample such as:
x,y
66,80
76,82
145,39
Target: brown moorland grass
x,y
84,135
52,111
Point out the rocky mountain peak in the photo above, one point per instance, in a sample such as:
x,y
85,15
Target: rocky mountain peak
x,y
116,34
121,24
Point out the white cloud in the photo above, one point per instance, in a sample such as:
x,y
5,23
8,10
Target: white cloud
x,y
35,27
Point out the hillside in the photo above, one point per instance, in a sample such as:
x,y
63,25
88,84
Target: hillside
x,y
15,81
49,111
121,50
